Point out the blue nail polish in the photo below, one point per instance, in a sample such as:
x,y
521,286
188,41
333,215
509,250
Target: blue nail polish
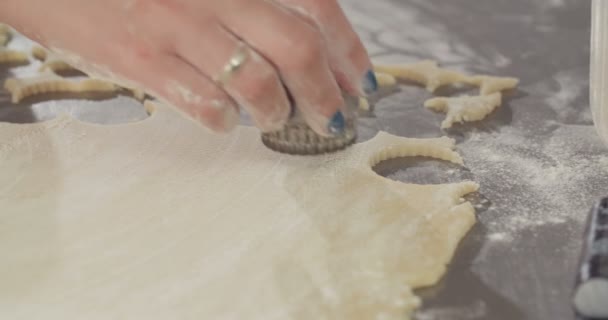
x,y
337,123
370,83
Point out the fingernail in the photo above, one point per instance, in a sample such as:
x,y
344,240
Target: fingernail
x,y
337,123
370,83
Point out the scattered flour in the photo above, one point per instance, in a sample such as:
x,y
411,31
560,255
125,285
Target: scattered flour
x,y
534,180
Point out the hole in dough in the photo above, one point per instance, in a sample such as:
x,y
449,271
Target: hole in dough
x,y
422,170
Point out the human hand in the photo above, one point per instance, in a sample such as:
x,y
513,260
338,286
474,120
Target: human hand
x,y
177,51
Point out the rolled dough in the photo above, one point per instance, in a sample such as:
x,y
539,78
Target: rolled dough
x,y
161,220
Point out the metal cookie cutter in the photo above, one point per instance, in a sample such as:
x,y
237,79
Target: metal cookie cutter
x,y
298,138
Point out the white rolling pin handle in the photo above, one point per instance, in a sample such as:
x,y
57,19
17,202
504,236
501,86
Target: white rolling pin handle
x,y
599,67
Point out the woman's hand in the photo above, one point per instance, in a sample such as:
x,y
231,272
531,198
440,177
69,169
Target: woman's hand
x,y
304,50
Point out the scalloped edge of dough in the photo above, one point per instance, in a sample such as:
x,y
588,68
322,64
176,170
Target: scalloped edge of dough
x,y
12,56
50,61
21,88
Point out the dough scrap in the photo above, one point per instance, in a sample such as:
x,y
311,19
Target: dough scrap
x,y
465,108
364,104
426,72
4,34
56,63
50,61
458,109
385,79
12,56
489,84
21,88
185,224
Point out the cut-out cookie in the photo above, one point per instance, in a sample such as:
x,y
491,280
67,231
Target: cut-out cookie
x,y
12,56
4,34
50,61
489,84
217,225
426,73
21,88
465,108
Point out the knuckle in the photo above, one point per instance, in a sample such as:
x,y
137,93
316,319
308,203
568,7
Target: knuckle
x,y
261,89
324,8
305,51
258,83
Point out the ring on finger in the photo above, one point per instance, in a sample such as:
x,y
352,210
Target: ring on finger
x,y
234,64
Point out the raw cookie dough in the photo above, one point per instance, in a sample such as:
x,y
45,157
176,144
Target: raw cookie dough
x,y
426,72
464,108
55,63
12,56
385,79
21,88
161,220
50,61
4,34
489,85
458,109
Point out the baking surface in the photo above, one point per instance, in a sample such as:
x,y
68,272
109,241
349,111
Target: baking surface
x,y
538,159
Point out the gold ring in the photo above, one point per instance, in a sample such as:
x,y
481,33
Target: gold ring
x,y
238,59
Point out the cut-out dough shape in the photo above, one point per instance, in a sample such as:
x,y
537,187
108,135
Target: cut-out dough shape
x,y
426,72
489,85
161,220
465,108
4,34
21,88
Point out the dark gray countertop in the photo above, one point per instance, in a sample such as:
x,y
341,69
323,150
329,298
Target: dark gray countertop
x,y
537,158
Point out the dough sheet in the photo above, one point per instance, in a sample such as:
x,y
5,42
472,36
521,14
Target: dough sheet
x,y
160,219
